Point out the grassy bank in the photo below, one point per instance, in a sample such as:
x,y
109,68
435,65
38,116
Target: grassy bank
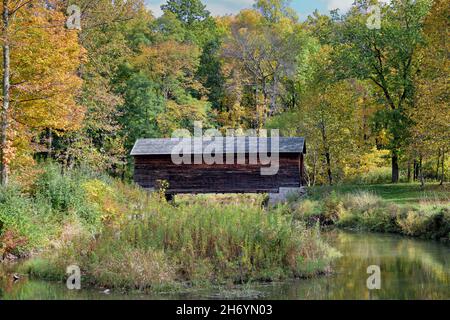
x,y
402,209
401,193
122,237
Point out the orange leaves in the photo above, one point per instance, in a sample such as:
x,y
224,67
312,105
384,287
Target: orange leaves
x,y
10,241
45,62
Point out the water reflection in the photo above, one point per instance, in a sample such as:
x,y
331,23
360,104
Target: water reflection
x,y
410,269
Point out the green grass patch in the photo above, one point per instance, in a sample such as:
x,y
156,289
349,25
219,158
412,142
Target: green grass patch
x,y
402,193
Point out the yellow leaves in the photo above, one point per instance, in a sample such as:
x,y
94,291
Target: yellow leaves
x,y
223,24
105,199
249,17
181,116
169,58
172,65
45,61
384,137
432,112
366,163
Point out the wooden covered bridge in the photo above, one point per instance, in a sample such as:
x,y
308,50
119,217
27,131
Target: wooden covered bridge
x,y
240,171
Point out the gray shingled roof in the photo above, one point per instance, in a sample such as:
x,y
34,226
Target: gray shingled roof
x,y
165,146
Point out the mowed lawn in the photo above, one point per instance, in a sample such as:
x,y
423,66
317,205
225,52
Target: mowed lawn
x,y
402,193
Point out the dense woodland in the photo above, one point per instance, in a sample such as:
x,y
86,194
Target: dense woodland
x,y
373,104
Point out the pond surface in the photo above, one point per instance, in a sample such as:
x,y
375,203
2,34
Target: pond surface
x,y
410,269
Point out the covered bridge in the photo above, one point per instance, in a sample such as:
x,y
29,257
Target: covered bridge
x,y
240,171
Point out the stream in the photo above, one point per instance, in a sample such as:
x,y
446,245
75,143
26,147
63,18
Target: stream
x,y
410,269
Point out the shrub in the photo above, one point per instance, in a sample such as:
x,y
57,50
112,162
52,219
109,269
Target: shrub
x,y
333,209
10,240
429,222
58,189
19,222
104,199
63,196
307,210
368,211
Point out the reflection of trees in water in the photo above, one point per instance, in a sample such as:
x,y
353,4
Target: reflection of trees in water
x,y
409,269
433,258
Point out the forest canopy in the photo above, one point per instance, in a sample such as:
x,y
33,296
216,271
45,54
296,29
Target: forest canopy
x,y
372,103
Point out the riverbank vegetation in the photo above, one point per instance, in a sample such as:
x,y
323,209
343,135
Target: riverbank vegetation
x,y
123,237
405,209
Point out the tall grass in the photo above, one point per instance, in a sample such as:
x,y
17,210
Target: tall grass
x,y
368,211
123,237
199,245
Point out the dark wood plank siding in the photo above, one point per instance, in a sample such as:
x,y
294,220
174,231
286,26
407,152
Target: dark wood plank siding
x,y
217,178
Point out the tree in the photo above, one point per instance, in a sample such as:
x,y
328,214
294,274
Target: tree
x,y
276,10
171,65
386,58
112,33
430,133
329,117
6,88
141,107
40,77
263,58
187,11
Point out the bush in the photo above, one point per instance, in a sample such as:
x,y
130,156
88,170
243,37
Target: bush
x,y
33,218
362,200
428,222
19,222
333,209
63,196
307,210
104,199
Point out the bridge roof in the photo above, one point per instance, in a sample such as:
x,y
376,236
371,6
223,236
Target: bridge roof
x,y
247,145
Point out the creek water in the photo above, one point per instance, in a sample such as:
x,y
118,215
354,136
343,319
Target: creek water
x,y
410,269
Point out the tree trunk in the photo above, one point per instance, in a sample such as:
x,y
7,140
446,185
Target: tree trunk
x,y
438,166
422,179
326,153
49,143
6,95
314,171
443,168
330,175
409,171
395,169
415,170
